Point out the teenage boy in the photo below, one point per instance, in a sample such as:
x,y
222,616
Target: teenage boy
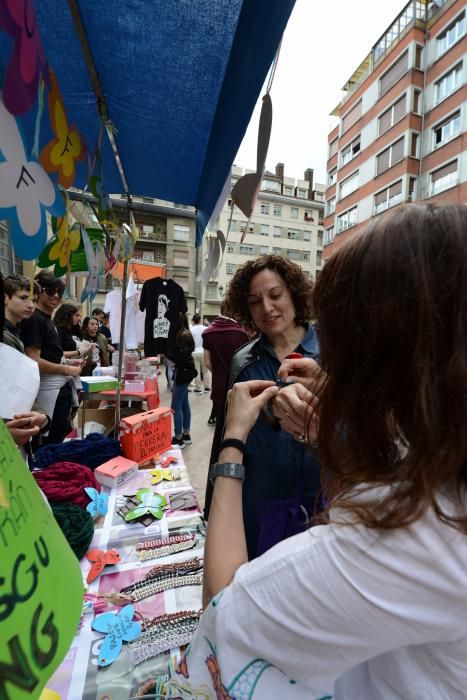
x,y
42,344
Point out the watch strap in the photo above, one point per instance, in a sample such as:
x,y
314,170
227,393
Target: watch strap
x,y
233,470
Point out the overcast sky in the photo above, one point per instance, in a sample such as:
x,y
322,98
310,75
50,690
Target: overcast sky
x,y
323,44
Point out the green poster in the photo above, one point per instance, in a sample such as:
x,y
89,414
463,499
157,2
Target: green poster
x,y
41,587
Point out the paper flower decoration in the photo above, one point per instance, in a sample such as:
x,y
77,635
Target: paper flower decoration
x,y
151,504
27,60
119,627
96,185
100,559
67,240
95,256
99,504
26,191
60,154
163,475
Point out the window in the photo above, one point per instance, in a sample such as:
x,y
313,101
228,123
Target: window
x,y
352,116
230,247
263,249
293,233
294,212
181,233
308,216
447,130
416,101
306,256
148,229
307,235
211,291
294,254
350,151
233,225
288,190
264,229
333,147
243,224
272,185
418,56
230,269
392,115
277,210
444,177
318,196
414,145
277,251
302,193
319,258
348,185
331,205
388,197
277,231
246,250
395,73
319,238
411,189
9,264
448,83
450,35
181,258
390,156
329,235
332,177
347,219
264,208
182,281
148,255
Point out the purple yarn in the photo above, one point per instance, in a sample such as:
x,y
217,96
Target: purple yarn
x,y
93,451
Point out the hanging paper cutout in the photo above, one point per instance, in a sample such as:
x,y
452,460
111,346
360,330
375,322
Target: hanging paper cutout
x,y
95,257
215,253
97,186
60,154
151,504
245,190
59,249
27,59
119,627
99,504
129,237
100,559
220,202
26,191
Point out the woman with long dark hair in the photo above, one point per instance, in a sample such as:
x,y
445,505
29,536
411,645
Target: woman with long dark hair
x,y
185,372
67,319
368,604
100,346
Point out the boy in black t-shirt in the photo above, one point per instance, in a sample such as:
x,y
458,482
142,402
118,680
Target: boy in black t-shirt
x,y
42,344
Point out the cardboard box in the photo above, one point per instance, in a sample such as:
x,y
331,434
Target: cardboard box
x,y
93,384
115,471
146,434
95,416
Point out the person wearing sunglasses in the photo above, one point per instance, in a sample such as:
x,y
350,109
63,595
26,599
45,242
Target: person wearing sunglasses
x,y
42,344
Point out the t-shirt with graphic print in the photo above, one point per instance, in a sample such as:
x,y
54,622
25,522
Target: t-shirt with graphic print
x,y
163,301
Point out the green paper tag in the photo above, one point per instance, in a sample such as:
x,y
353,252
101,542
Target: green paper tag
x,y
41,587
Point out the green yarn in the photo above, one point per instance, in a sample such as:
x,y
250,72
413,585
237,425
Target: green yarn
x,y
76,524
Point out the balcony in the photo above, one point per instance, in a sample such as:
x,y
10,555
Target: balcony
x,y
153,237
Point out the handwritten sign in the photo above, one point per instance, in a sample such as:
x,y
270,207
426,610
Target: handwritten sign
x,y
41,589
146,434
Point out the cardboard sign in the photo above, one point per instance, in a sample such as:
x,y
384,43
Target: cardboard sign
x,y
146,434
41,589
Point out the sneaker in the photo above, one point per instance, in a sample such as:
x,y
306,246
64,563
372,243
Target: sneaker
x,y
212,421
178,442
197,391
186,437
207,389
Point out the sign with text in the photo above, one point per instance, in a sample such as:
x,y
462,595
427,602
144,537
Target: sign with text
x,y
41,587
146,434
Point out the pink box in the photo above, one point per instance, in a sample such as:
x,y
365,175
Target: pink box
x,y
116,471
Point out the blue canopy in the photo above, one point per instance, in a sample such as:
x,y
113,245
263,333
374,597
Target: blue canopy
x,y
179,78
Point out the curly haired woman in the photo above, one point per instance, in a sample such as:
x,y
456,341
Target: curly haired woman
x,y
272,295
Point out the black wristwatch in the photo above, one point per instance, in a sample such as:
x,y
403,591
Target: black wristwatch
x,y
230,469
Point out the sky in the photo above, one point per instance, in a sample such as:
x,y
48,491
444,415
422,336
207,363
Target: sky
x,y
323,44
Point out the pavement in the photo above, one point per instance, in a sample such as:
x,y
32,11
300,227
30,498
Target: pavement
x,y
196,456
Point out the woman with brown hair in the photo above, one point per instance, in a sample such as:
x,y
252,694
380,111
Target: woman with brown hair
x,y
100,346
272,295
369,604
185,372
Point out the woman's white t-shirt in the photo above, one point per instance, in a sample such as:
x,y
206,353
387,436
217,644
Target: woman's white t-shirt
x,y
343,612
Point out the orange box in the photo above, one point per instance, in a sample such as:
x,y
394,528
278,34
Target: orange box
x,y
146,434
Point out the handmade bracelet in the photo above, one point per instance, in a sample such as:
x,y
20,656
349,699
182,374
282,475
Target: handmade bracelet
x,y
233,442
167,619
178,567
157,552
151,644
164,541
145,589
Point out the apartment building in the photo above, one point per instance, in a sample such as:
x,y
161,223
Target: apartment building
x,y
287,220
402,122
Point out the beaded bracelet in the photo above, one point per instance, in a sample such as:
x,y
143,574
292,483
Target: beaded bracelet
x,y
163,633
164,541
166,576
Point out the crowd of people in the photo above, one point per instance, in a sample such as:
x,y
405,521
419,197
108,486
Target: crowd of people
x,y
336,500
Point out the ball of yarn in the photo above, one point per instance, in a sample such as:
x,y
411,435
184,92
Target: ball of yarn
x,y
76,524
93,451
64,482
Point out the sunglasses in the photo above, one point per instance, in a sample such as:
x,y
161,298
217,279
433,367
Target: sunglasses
x,y
52,291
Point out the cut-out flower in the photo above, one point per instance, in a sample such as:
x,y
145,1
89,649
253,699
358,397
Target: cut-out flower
x,y
151,504
118,628
61,154
67,241
95,256
27,60
26,191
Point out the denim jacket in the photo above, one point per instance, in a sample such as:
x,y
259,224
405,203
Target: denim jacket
x,y
272,458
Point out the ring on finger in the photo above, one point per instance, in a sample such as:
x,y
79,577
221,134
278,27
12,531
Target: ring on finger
x,y
287,413
300,437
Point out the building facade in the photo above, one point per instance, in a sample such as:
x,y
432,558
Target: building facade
x,y
287,220
402,121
